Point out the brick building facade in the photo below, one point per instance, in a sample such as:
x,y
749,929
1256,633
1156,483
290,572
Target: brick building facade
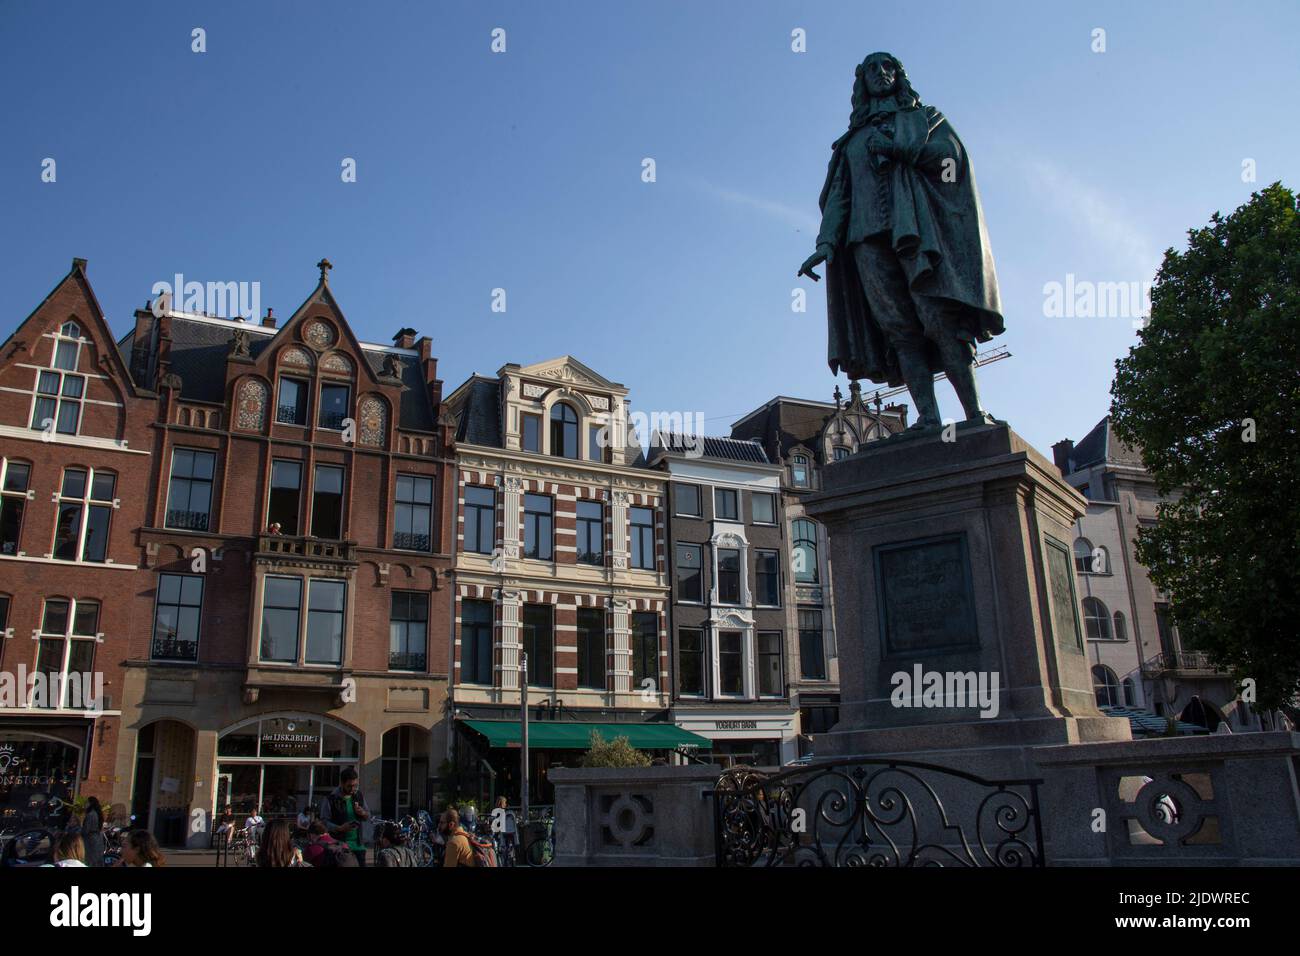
x,y
282,529
75,436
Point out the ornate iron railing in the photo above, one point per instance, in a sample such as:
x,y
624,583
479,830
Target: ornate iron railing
x,y
408,661
412,541
188,520
175,649
875,812
289,415
1179,661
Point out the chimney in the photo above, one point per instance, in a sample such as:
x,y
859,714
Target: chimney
x,y
404,339
1062,453
268,320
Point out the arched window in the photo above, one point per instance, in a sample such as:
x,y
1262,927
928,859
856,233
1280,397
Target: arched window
x,y
1096,620
1083,555
805,551
564,431
799,471
1130,693
841,452
1106,686
1121,627
70,330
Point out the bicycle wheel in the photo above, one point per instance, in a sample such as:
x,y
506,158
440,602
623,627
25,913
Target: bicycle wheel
x,y
423,853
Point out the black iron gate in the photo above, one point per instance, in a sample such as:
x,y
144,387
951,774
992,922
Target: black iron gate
x,y
875,812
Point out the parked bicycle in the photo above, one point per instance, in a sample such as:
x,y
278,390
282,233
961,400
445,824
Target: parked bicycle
x,y
538,834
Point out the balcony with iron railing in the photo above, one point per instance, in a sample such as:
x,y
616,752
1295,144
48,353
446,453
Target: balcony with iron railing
x,y
174,649
416,661
1181,664
411,541
290,415
299,547
332,420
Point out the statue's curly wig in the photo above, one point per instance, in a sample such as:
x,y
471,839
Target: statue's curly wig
x,y
906,97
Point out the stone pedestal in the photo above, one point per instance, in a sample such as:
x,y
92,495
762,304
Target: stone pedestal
x,y
955,558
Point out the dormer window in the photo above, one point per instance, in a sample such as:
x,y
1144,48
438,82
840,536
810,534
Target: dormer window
x,y
291,409
532,433
564,432
799,471
59,394
840,452
333,406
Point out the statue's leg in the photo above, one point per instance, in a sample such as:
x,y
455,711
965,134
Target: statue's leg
x,y
942,325
959,364
920,382
893,310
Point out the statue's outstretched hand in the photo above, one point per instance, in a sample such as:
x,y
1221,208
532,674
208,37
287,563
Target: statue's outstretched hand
x,y
822,254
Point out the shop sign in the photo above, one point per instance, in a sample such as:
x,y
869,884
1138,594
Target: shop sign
x,y
291,741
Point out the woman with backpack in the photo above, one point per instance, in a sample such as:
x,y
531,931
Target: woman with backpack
x,y
393,850
463,847
277,849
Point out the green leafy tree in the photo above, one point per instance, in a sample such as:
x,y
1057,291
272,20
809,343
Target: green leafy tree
x,y
613,753
1211,394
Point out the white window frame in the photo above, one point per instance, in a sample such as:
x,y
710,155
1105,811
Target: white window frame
x,y
28,495
748,685
86,502
53,369
67,637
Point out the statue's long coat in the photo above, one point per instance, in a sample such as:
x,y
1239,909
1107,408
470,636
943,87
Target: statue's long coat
x,y
943,248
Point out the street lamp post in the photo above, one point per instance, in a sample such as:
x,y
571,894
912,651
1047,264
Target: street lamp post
x,y
523,738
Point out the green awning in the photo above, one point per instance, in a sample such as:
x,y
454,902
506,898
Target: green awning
x,y
568,735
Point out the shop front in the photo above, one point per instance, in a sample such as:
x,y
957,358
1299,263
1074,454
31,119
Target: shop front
x,y
40,772
490,749
281,764
746,738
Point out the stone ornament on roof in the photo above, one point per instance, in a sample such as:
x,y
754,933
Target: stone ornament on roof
x,y
335,362
318,335
239,344
392,366
566,373
296,356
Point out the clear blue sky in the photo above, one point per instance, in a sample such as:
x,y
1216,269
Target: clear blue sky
x,y
523,170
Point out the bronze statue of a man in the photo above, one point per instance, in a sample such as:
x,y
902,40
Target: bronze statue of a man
x,y
910,281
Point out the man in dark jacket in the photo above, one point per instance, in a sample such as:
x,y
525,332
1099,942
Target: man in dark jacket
x,y
343,812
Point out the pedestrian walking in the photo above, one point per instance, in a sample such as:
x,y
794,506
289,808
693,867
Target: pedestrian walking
x,y
70,850
141,849
277,849
92,832
344,811
505,829
458,852
393,850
